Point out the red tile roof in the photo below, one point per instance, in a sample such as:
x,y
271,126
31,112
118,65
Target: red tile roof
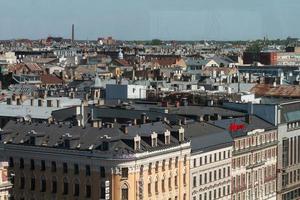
x,y
292,91
51,79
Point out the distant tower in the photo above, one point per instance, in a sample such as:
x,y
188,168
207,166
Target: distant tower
x,y
73,33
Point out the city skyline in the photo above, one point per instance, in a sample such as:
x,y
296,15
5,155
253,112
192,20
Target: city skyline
x,y
143,20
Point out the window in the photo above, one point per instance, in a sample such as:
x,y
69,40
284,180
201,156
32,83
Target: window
x,y
200,161
150,168
87,170
124,193
194,181
176,181
154,142
88,191
149,189
200,179
21,163
156,186
54,185
156,166
164,165
176,162
184,179
102,172
170,163
124,172
22,182
11,162
215,175
53,166
43,165
76,169
76,188
163,185
102,192
65,187
170,183
43,184
65,168
185,160
32,183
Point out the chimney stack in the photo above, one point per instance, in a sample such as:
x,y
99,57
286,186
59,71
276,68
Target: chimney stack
x,y
73,33
124,128
143,118
248,119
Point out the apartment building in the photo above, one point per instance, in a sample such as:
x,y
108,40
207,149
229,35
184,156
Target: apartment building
x,y
5,184
64,162
289,151
210,165
254,158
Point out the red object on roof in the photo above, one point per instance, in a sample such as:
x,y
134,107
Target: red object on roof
x,y
236,127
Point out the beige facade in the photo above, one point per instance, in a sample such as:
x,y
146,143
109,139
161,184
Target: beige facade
x,y
159,172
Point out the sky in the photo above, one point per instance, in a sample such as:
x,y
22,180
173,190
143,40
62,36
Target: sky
x,y
150,19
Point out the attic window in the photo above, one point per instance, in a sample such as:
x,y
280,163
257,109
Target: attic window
x,y
137,142
167,139
67,143
154,142
104,146
32,140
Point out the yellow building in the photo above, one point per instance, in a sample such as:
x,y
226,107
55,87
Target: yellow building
x,y
64,162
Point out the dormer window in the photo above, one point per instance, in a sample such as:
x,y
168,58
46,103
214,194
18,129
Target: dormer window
x,y
154,142
167,137
154,139
32,140
137,142
67,143
181,135
104,146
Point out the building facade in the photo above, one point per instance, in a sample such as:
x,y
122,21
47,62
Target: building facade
x,y
61,162
254,165
289,161
210,174
5,184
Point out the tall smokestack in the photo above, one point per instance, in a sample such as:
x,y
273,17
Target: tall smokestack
x,y
73,33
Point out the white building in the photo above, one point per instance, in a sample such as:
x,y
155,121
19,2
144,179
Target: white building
x,y
210,165
123,92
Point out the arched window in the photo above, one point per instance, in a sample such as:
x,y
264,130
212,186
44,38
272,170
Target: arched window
x,y
43,184
124,192
65,186
21,163
88,189
32,183
22,181
76,187
54,185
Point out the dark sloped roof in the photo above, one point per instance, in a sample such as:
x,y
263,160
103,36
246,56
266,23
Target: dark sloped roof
x,y
88,138
256,123
206,137
204,110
